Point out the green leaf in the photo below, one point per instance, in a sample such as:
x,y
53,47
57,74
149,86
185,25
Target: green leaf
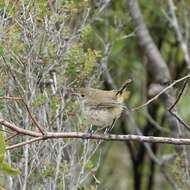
x,y
8,169
2,147
40,100
4,166
89,165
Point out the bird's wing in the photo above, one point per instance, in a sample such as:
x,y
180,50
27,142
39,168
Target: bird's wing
x,y
110,104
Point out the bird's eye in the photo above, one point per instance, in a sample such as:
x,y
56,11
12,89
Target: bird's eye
x,y
82,95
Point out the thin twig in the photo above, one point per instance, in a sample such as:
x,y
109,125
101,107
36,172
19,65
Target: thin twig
x,y
155,123
161,92
30,114
175,103
24,143
6,131
169,179
35,122
180,93
181,121
11,137
177,28
10,98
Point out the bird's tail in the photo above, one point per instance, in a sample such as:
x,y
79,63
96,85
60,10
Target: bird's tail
x,y
123,87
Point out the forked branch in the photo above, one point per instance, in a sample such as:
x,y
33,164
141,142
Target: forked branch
x,y
79,135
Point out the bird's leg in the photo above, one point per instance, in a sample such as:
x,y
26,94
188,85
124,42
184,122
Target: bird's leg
x,y
90,130
108,129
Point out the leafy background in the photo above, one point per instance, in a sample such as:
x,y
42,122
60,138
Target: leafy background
x,y
84,43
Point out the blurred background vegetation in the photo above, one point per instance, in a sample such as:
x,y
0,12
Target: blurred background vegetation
x,y
90,43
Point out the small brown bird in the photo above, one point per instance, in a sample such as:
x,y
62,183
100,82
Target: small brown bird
x,y
100,107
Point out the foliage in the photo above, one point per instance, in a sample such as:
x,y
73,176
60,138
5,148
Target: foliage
x,y
51,48
4,166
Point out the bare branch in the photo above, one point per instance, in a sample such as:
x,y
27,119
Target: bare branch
x,y
161,92
156,63
24,143
19,130
174,113
174,22
180,119
10,98
106,137
35,122
80,135
11,137
180,94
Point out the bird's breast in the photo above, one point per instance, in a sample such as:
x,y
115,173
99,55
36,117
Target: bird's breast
x,y
103,117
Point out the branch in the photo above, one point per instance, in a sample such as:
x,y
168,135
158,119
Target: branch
x,y
11,137
106,137
34,121
24,143
19,130
180,93
174,113
161,92
156,64
10,98
174,22
81,135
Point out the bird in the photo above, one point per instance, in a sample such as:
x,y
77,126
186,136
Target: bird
x,y
102,108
